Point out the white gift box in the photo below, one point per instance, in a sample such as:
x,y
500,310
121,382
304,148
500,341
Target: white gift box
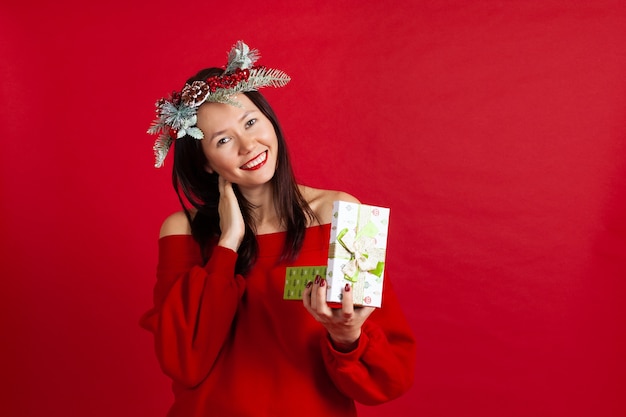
x,y
356,255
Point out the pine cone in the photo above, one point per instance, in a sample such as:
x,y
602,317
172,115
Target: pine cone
x,y
193,95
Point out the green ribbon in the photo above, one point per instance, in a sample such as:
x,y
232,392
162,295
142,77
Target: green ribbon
x,y
360,249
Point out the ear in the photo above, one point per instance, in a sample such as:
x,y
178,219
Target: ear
x,y
207,168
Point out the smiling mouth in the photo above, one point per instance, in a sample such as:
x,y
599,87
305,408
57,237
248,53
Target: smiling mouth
x,y
255,163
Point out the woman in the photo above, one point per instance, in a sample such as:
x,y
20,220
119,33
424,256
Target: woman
x,y
223,332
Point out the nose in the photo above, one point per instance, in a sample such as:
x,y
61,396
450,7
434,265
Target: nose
x,y
246,143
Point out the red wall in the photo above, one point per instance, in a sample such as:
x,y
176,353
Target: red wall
x,y
494,130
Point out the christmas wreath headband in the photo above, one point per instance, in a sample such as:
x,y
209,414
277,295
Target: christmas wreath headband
x,y
176,114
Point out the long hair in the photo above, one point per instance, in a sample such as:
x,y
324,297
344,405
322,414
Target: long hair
x,y
200,190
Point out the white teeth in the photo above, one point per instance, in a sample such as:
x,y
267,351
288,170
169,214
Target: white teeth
x,y
256,161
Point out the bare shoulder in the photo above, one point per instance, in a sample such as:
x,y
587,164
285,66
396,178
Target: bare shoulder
x,y
175,224
321,201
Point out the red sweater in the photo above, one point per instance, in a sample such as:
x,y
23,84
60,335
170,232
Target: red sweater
x,y
233,347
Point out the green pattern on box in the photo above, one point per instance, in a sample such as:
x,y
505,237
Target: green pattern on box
x,y
296,278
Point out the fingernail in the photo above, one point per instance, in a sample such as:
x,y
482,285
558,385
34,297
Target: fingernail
x,y
348,287
322,282
308,284
317,279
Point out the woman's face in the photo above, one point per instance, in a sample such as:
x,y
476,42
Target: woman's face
x,y
240,143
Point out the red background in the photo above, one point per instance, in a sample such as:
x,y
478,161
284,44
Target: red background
x,y
495,131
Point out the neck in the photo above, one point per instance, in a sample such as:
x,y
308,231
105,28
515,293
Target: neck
x,y
264,211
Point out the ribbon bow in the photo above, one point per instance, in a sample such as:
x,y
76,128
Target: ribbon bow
x,y
364,256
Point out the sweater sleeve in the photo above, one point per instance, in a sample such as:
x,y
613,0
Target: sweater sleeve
x,y
194,307
381,367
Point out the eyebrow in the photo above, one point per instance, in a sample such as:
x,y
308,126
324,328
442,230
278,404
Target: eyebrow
x,y
221,132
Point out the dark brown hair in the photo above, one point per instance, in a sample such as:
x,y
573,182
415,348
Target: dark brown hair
x,y
200,190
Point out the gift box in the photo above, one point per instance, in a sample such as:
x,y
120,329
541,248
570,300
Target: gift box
x,y
297,277
356,256
356,253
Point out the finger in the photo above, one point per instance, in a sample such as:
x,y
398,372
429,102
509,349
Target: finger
x,y
227,187
314,289
347,303
220,184
226,191
318,297
364,312
306,295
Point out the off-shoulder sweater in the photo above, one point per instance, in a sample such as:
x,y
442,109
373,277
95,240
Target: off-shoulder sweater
x,y
234,347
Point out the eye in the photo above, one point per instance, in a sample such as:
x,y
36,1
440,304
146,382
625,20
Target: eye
x,y
250,122
223,141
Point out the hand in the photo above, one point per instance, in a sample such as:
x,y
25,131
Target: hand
x,y
231,219
343,324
